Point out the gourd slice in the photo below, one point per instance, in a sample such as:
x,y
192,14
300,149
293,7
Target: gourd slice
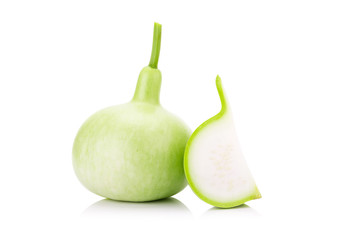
x,y
214,164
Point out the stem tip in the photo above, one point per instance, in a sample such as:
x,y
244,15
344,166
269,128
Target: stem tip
x,y
156,46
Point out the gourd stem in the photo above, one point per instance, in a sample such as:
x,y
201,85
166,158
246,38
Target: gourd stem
x,y
224,106
156,46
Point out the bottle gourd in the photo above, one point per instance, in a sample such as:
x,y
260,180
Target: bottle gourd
x,y
134,151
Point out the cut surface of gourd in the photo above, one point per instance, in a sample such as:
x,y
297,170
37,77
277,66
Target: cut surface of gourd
x,y
214,164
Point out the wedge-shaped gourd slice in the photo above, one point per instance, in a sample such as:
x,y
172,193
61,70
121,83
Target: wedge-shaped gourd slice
x,y
214,164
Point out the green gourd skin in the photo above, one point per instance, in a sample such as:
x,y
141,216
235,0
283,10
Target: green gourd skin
x,y
134,151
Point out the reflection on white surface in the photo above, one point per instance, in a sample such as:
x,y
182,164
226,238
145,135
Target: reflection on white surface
x,y
240,211
169,207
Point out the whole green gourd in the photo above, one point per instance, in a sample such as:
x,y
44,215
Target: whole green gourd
x,y
134,151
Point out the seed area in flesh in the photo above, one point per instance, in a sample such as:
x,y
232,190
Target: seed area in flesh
x,y
218,168
224,174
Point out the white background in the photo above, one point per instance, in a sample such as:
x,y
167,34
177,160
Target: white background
x,y
291,70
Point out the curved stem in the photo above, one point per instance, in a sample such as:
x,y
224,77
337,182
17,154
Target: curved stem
x,y
224,105
156,46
